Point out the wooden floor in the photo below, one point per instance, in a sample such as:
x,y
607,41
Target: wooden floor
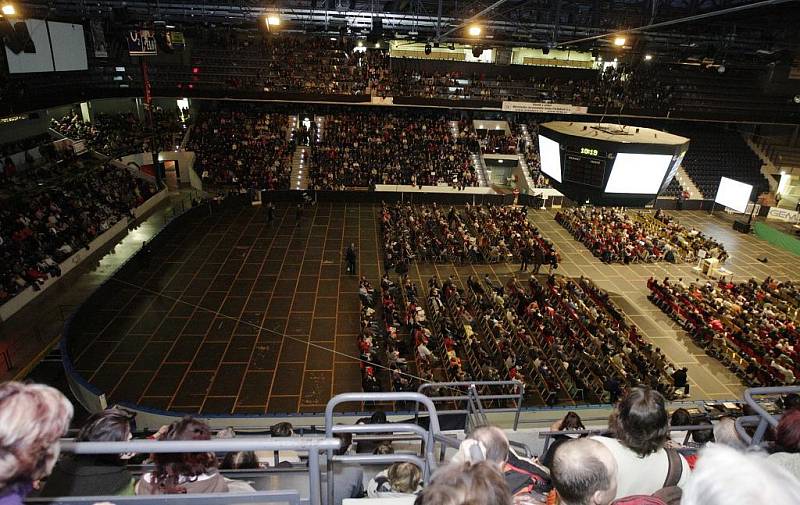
x,y
231,315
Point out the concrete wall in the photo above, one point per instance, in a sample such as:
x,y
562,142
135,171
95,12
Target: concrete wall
x,y
12,306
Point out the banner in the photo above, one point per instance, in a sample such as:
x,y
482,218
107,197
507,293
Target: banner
x,y
141,43
544,108
98,39
789,216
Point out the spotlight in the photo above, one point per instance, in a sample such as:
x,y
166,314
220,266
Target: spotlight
x,y
428,49
474,31
273,20
360,43
619,41
477,51
648,57
9,10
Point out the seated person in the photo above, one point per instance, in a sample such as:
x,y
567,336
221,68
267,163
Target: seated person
x,y
397,481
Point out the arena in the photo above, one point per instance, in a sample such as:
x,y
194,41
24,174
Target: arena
x,y
428,253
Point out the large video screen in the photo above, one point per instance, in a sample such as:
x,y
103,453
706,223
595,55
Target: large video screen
x,y
733,194
638,174
550,157
69,46
41,60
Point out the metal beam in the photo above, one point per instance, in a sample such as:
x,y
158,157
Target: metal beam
x,y
492,7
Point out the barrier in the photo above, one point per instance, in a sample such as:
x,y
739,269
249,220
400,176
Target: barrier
x,y
480,397
765,419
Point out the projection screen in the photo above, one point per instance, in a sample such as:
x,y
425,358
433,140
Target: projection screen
x,y
550,157
733,194
638,174
41,60
69,46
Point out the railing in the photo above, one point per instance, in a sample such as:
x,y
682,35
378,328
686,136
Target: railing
x,y
517,396
764,418
426,462
549,435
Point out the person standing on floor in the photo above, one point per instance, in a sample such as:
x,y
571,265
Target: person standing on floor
x,y
526,254
270,213
350,257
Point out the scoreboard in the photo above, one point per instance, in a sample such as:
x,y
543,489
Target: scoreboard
x,y
584,165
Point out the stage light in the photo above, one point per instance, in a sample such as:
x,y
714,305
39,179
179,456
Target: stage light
x,y
273,20
474,31
9,10
377,45
428,49
648,57
619,41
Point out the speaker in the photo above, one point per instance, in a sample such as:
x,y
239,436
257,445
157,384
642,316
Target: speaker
x,y
741,226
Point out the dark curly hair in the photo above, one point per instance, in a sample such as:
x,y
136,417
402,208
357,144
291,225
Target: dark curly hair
x,y
640,421
170,467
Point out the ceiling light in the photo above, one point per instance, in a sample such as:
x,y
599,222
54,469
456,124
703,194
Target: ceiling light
x,y
648,57
9,10
619,41
474,30
273,20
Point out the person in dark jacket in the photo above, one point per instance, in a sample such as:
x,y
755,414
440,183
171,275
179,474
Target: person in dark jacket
x,y
350,257
94,474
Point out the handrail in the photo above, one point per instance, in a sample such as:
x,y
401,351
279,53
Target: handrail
x,y
258,497
429,462
765,417
518,397
311,444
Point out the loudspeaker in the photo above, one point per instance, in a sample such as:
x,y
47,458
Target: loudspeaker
x,y
741,226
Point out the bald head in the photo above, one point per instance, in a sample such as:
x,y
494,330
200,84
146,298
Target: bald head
x,y
584,472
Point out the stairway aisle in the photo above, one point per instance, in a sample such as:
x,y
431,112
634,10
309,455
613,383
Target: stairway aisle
x,y
476,159
299,178
688,184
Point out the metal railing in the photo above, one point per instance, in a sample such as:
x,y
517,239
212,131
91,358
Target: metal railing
x,y
426,462
257,497
313,446
764,418
465,397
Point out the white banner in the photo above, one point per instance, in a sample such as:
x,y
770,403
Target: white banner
x,y
790,216
542,107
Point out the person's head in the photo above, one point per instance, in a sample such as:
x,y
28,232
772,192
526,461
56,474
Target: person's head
x,y
281,430
724,475
584,472
384,447
404,477
347,441
640,421
491,442
110,425
791,401
378,417
241,460
680,417
32,419
703,437
787,434
725,433
572,421
170,467
466,484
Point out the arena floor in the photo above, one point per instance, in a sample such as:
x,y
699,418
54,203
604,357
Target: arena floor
x,y
234,316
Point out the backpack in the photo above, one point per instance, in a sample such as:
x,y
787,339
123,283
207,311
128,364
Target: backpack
x,y
670,494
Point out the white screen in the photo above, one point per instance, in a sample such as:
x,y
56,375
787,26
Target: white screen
x,y
41,60
69,46
638,174
550,156
733,194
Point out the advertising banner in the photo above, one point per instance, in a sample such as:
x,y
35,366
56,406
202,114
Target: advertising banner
x,y
544,108
141,43
778,214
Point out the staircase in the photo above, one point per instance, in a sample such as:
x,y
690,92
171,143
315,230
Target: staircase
x,y
767,167
299,177
186,137
526,134
483,175
687,184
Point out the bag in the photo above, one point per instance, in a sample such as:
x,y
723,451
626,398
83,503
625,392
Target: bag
x,y
670,494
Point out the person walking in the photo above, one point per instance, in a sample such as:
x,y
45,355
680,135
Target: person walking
x,y
350,257
526,258
270,213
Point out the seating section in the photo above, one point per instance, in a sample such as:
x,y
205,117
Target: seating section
x,y
244,148
747,325
715,153
563,339
478,234
56,210
616,236
117,135
364,149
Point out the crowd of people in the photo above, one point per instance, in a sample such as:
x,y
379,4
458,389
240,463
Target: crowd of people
x,y
565,340
616,236
63,208
249,149
636,460
476,234
750,326
365,149
120,134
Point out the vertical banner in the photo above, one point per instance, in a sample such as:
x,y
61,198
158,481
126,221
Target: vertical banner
x,y
98,39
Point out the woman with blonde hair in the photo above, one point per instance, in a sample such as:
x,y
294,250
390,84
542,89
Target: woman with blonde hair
x,y
33,417
400,479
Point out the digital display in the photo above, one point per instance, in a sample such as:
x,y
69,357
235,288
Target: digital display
x,y
733,194
638,174
584,170
589,151
550,156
